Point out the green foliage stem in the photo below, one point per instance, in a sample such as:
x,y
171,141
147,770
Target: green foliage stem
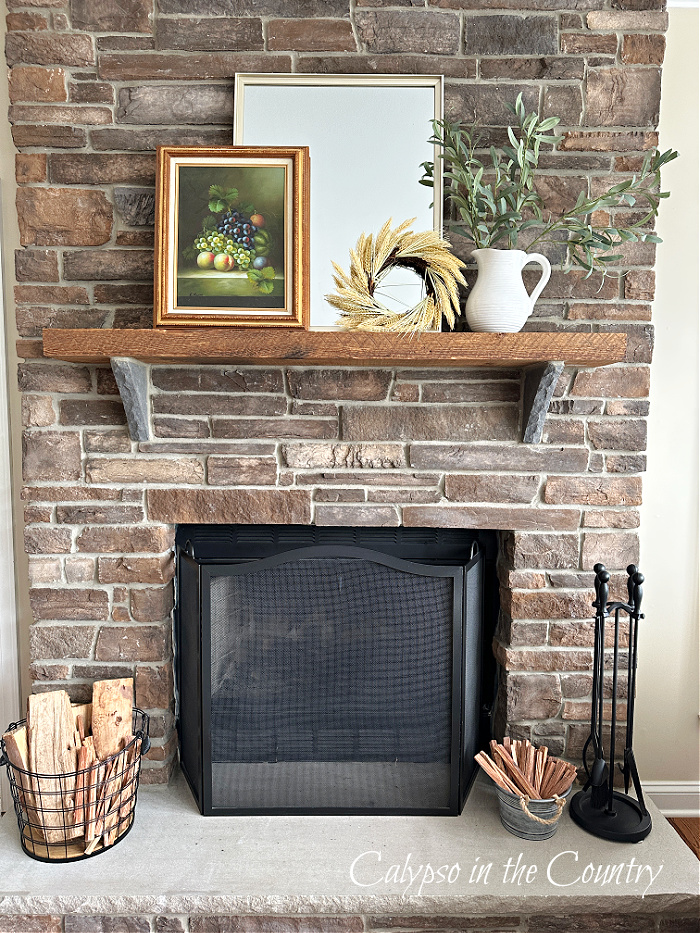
x,y
496,200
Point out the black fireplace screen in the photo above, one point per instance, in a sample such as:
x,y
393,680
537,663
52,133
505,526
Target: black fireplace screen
x,y
333,679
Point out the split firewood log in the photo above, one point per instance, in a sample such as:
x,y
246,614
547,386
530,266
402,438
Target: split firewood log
x,y
51,743
95,783
115,796
86,756
112,702
83,718
18,754
129,785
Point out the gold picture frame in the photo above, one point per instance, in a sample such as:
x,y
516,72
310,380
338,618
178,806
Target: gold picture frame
x,y
232,236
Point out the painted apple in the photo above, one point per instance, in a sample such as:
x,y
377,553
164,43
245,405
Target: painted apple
x,y
257,220
206,260
223,262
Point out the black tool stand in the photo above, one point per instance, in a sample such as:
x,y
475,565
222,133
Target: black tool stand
x,y
598,808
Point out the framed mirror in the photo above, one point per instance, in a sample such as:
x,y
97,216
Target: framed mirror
x,y
368,136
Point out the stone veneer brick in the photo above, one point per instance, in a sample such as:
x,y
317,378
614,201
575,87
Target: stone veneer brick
x,y
669,921
95,95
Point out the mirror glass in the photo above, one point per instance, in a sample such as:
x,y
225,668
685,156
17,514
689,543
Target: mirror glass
x,y
368,136
400,290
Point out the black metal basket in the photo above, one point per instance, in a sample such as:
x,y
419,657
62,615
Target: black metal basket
x,y
66,817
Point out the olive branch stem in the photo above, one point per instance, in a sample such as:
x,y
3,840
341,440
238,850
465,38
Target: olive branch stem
x,y
499,201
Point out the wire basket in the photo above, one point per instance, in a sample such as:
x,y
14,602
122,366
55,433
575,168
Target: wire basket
x,y
65,817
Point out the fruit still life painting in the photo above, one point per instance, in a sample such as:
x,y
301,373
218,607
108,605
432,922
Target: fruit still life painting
x,y
231,236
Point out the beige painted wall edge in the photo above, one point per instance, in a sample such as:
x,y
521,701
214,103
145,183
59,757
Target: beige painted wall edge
x,y
666,724
11,514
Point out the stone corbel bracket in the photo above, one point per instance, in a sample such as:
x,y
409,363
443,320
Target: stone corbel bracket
x,y
133,381
538,388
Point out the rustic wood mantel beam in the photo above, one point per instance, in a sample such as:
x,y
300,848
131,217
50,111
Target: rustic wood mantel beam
x,y
282,347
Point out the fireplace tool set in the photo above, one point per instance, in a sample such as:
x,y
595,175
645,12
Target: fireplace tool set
x,y
599,808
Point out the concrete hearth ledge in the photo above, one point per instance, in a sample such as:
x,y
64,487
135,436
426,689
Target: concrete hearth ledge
x,y
178,862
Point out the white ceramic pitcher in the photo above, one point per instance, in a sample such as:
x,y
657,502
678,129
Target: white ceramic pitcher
x,y
499,302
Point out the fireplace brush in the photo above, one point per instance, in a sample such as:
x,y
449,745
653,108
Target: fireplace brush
x,y
599,808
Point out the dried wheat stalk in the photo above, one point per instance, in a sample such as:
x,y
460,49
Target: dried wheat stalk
x,y
374,257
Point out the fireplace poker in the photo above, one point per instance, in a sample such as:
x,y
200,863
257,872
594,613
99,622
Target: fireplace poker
x,y
634,590
598,774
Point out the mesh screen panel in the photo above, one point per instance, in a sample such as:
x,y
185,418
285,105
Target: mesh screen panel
x,y
341,660
331,784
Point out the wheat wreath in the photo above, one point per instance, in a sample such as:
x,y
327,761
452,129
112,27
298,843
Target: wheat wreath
x,y
373,257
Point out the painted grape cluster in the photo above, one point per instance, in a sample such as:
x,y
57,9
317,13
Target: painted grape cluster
x,y
237,240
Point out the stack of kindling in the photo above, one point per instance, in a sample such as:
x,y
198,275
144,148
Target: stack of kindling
x,y
77,765
523,769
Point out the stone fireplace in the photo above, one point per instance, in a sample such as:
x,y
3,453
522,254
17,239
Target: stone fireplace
x,y
103,511
94,89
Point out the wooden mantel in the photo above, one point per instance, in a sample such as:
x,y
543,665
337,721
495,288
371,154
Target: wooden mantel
x,y
541,355
275,346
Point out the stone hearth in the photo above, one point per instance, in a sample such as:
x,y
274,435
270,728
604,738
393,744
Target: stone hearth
x,y
177,871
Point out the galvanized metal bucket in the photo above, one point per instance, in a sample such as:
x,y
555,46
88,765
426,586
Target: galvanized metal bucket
x,y
530,819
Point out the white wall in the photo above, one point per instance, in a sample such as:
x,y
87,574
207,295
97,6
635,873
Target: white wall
x,y
666,722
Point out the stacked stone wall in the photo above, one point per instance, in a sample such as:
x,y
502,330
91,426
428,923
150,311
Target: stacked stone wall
x,y
94,88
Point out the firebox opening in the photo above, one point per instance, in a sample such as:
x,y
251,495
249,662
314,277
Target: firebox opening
x,y
333,670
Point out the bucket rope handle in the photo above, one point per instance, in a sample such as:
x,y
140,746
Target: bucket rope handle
x,y
560,802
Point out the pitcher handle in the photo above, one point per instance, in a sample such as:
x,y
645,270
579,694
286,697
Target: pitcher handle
x,y
544,278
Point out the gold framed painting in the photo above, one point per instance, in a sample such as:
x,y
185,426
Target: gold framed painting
x,y
232,236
